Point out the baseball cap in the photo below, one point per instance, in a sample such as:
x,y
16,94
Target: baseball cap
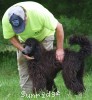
x,y
16,16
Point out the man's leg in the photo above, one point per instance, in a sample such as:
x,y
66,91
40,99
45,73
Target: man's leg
x,y
48,42
25,81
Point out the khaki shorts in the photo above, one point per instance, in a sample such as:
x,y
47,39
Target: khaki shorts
x,y
25,81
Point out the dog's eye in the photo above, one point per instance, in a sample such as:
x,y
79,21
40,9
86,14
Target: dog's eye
x,y
24,45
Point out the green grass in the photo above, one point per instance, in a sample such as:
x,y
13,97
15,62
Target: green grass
x,y
10,89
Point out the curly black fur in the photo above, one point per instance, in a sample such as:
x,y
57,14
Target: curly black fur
x,y
44,68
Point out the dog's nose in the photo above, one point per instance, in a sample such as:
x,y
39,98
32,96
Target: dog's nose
x,y
23,51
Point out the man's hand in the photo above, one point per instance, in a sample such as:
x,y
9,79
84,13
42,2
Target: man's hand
x,y
28,58
60,54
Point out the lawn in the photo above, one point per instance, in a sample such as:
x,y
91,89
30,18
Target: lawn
x,y
10,89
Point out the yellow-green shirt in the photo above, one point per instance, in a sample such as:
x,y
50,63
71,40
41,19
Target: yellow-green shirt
x,y
40,22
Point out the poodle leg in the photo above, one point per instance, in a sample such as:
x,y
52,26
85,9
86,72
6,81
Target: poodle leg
x,y
80,76
39,84
51,86
71,81
54,87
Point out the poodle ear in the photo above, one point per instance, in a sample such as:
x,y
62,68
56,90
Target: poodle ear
x,y
37,54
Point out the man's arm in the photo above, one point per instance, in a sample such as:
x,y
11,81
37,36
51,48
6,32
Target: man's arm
x,y
60,39
14,40
16,43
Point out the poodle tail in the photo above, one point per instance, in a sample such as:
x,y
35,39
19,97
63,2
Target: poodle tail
x,y
85,44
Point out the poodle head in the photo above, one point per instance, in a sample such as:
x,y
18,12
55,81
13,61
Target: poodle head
x,y
32,47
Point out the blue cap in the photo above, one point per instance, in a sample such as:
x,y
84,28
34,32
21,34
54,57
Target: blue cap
x,y
17,23
16,17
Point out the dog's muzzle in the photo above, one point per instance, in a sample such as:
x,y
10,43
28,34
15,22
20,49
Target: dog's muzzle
x,y
27,50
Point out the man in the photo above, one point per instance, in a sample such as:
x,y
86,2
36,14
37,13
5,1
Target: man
x,y
30,19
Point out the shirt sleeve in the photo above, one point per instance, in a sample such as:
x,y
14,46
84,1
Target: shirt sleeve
x,y
7,29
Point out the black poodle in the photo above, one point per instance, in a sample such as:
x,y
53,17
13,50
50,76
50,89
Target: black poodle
x,y
44,67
